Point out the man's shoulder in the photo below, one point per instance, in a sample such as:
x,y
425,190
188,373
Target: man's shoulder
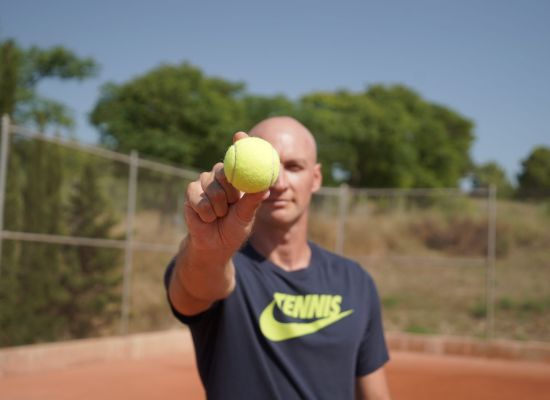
x,y
249,254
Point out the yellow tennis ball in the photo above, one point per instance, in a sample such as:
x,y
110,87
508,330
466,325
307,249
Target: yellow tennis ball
x,y
251,165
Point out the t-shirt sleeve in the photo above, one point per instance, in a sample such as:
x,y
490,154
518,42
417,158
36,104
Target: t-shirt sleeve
x,y
185,319
373,351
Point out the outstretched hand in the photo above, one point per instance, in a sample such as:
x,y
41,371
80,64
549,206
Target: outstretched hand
x,y
218,216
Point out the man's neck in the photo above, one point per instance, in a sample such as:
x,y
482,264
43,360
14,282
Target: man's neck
x,y
285,247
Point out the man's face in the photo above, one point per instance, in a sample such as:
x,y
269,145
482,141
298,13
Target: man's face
x,y
299,176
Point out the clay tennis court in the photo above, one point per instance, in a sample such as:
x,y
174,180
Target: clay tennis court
x,y
411,375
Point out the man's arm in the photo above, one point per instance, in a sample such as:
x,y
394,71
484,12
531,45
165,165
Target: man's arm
x,y
199,278
219,220
372,386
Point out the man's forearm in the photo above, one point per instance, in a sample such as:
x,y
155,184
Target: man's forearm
x,y
200,277
373,386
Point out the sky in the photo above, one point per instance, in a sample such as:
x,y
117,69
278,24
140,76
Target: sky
x,y
488,60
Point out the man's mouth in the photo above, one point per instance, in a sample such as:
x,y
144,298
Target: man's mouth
x,y
275,202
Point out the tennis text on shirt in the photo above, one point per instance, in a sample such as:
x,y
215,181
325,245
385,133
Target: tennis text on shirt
x,y
314,311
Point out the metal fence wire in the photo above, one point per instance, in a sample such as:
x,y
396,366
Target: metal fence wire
x,y
432,252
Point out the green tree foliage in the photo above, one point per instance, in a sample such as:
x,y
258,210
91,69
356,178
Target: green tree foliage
x,y
50,292
9,66
30,294
40,283
389,137
173,113
382,137
21,70
10,282
491,173
92,275
259,107
534,178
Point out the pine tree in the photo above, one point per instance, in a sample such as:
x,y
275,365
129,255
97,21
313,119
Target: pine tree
x,y
31,292
40,264
92,275
9,280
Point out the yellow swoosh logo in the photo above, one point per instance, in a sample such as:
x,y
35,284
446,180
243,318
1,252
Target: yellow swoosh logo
x,y
278,331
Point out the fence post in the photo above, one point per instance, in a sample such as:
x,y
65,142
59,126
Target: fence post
x,y
342,214
490,278
3,174
128,256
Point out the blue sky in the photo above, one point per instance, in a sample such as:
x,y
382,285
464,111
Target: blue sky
x,y
488,60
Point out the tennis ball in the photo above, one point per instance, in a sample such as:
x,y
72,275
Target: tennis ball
x,y
251,165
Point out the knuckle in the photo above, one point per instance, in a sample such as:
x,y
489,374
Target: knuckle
x,y
233,195
220,175
190,190
216,194
204,177
204,207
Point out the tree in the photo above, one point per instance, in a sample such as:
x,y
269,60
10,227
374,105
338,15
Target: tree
x,y
534,178
259,107
92,276
10,282
382,137
491,173
9,67
172,113
389,137
31,294
344,126
21,70
34,295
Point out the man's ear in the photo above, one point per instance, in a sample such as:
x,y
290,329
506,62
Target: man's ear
x,y
317,178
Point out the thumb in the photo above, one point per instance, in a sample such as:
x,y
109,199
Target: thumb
x,y
246,207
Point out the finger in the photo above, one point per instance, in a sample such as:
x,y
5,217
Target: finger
x,y
231,193
246,207
239,135
199,202
192,219
215,194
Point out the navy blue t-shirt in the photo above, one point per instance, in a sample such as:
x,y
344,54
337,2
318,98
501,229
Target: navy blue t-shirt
x,y
305,334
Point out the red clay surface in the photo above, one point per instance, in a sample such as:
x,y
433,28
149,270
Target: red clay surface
x,y
411,376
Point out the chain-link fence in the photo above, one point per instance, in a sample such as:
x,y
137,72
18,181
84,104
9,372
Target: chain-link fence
x,y
86,234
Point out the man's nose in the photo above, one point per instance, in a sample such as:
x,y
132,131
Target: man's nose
x,y
282,181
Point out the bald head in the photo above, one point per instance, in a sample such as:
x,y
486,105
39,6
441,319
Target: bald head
x,y
287,131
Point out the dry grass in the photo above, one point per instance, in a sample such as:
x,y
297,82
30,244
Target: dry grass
x,y
428,262
149,307
148,299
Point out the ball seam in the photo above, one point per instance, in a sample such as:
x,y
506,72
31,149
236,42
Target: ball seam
x,y
234,163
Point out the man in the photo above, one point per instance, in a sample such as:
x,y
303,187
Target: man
x,y
272,315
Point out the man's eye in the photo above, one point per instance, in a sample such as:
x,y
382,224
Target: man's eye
x,y
294,167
